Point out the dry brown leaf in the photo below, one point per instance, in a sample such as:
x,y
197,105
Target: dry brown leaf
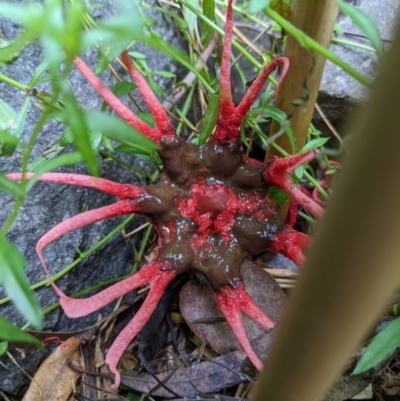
x,y
54,380
203,316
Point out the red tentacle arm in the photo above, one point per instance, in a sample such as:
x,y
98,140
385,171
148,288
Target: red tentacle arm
x,y
159,278
124,191
164,126
74,308
81,220
278,173
291,243
259,82
229,118
225,77
231,302
124,112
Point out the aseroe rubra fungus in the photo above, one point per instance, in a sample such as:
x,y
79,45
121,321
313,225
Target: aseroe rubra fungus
x,y
210,207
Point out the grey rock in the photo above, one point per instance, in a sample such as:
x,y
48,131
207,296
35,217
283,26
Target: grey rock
x,y
339,92
49,204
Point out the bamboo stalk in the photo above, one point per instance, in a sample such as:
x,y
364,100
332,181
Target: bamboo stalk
x,y
316,18
353,267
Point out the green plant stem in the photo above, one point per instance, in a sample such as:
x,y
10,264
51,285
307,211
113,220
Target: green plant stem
x,y
307,217
186,107
82,255
353,44
25,88
143,246
308,43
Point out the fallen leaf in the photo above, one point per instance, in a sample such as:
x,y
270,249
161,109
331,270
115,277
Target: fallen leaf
x,y
204,378
54,380
198,307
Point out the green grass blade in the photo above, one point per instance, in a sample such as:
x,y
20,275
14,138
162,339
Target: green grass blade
x,y
366,25
15,284
380,347
9,332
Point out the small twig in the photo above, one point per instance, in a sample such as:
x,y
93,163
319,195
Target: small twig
x,y
136,230
150,371
328,123
190,77
282,273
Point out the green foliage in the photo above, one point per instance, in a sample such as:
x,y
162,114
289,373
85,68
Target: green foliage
x,y
365,23
14,282
314,144
9,332
277,195
281,6
210,118
120,89
16,128
114,128
209,12
3,346
190,16
108,50
10,187
384,343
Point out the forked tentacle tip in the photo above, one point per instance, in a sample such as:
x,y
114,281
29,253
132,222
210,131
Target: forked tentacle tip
x,y
117,379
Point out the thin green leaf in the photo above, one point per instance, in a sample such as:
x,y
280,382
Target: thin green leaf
x,y
108,50
210,118
5,137
137,55
209,12
314,144
147,118
17,128
120,89
9,332
280,117
75,118
94,138
130,150
22,15
4,43
265,98
10,187
118,130
299,172
40,69
190,16
127,25
380,347
278,195
73,27
7,116
164,74
105,141
15,284
257,5
308,43
365,23
3,346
